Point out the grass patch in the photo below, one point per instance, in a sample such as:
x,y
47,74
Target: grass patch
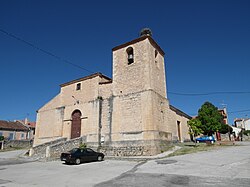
x,y
166,148
188,148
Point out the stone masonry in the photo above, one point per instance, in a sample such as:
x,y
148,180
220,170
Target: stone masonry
x,y
124,116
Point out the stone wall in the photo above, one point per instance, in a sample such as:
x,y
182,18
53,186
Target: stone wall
x,y
39,151
246,138
224,137
55,148
18,143
54,118
54,151
135,148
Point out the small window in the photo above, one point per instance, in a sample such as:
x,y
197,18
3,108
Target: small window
x,y
1,133
11,136
89,150
156,53
130,53
22,136
78,86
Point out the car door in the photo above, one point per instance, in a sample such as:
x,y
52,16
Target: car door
x,y
91,155
81,155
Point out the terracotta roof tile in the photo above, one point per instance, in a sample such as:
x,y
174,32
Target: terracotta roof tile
x,y
32,124
11,125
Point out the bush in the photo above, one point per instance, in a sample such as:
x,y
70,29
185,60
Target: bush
x,y
82,146
1,138
246,132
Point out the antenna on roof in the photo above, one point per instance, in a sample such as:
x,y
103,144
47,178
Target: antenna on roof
x,y
224,105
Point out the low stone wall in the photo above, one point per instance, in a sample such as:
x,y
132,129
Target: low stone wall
x,y
246,138
39,151
123,151
18,143
135,148
54,151
224,137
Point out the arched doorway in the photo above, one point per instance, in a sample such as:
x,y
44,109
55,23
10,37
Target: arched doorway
x,y
76,124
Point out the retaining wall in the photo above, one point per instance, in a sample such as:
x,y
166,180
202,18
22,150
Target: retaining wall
x,y
39,151
18,143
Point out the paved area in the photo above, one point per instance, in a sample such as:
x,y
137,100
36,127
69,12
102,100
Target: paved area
x,y
14,157
55,173
229,166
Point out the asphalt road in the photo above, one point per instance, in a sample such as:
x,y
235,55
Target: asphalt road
x,y
13,158
229,166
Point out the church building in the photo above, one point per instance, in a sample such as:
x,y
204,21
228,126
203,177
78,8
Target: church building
x,y
130,110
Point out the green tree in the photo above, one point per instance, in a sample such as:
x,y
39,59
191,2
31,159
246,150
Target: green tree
x,y
1,138
195,127
225,129
210,118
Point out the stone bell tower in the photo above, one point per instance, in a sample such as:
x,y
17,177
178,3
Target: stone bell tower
x,y
139,94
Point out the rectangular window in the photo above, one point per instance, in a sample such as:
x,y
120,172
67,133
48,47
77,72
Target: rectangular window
x,y
78,86
1,133
11,136
22,136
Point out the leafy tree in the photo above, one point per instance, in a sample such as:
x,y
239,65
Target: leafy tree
x,y
211,119
225,129
195,127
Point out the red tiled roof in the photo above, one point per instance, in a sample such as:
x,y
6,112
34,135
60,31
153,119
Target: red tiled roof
x,y
11,125
32,124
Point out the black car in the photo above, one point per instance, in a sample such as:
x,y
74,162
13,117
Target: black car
x,y
78,155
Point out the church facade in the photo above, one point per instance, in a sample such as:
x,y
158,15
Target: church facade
x,y
129,110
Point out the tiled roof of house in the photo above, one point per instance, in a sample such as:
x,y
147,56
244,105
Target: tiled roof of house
x,y
32,124
27,123
11,125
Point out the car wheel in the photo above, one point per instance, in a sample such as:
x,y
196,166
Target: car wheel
x,y
77,161
66,162
212,142
99,158
197,141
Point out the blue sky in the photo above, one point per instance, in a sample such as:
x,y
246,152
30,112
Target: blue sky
x,y
207,46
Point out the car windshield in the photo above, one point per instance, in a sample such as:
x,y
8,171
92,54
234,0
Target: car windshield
x,y
73,150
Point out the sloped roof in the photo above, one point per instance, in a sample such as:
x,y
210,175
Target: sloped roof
x,y
138,40
179,112
11,125
86,78
32,124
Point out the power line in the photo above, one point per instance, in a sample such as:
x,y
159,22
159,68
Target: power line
x,y
50,53
208,93
239,111
44,51
85,69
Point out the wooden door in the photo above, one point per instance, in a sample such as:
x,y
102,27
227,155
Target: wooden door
x,y
76,124
179,130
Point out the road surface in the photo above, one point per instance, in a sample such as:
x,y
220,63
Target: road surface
x,y
229,166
